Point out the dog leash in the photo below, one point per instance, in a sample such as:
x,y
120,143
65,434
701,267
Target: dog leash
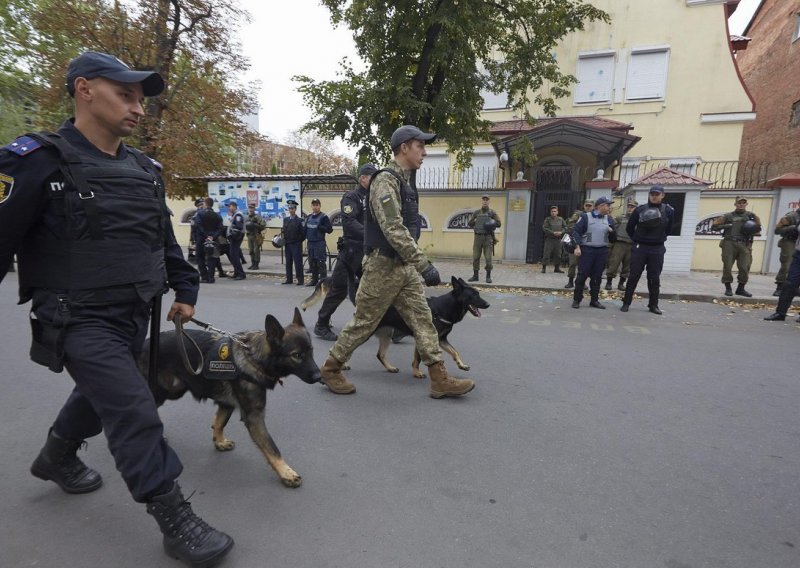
x,y
182,336
236,337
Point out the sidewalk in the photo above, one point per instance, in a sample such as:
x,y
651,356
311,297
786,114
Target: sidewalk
x,y
692,286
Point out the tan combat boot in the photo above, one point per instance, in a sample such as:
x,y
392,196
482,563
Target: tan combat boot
x,y
333,378
443,384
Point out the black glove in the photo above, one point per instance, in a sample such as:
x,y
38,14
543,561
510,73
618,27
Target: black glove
x,y
431,276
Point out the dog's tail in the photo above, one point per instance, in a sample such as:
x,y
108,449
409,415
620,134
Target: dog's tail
x,y
319,293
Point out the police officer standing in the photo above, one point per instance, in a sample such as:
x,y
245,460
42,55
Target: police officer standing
x,y
619,258
786,229
235,236
318,224
483,221
593,232
347,271
392,268
208,228
254,228
790,285
649,226
93,270
572,264
192,256
294,233
738,229
553,227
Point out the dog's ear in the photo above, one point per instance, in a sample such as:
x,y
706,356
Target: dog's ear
x,y
273,328
454,281
298,319
459,283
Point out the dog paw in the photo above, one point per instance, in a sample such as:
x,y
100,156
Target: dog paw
x,y
292,479
419,375
225,445
463,366
391,369
346,367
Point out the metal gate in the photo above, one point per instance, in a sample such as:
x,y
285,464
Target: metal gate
x,y
554,186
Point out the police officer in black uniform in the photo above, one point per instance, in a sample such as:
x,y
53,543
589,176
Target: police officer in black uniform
x,y
87,217
347,271
649,226
294,233
208,227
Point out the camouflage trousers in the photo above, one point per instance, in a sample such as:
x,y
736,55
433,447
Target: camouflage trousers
x,y
619,259
787,250
552,252
573,266
389,282
254,249
739,252
482,244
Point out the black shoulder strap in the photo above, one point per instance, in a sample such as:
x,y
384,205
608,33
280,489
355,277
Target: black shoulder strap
x,y
71,168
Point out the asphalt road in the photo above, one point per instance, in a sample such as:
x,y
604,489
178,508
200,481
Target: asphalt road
x,y
593,439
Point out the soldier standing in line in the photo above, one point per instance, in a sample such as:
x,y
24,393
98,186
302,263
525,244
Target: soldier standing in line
x,y
393,264
573,260
254,227
294,233
553,227
483,221
786,229
620,256
738,229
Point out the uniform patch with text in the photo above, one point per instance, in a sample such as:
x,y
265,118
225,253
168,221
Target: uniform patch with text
x,y
6,185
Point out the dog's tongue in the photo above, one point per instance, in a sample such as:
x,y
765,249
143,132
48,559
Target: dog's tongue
x,y
475,311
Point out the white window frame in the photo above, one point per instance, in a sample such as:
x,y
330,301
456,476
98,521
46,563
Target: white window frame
x,y
606,94
684,165
493,101
484,168
628,172
635,93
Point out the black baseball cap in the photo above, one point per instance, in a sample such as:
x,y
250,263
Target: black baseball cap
x,y
603,201
410,132
656,189
93,64
367,170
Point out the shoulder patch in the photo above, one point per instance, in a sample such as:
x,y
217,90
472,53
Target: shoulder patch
x,y
156,163
6,185
348,209
23,146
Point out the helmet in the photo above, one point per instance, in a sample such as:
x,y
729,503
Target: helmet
x,y
490,225
209,246
750,228
277,241
650,217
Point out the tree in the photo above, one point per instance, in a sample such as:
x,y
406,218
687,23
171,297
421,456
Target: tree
x,y
193,128
428,61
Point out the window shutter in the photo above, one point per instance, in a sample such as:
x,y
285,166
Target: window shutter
x,y
595,78
647,75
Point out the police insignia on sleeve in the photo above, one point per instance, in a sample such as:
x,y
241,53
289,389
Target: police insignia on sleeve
x,y
348,209
6,185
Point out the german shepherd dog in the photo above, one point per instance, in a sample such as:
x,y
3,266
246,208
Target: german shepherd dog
x,y
250,369
447,310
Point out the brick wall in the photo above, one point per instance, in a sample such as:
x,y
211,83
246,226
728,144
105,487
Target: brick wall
x,y
770,67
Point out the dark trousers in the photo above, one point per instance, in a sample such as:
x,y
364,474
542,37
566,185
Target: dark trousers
x,y
789,285
651,257
591,264
317,258
101,344
344,278
235,255
294,257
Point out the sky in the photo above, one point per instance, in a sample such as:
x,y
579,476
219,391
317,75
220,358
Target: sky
x,y
297,38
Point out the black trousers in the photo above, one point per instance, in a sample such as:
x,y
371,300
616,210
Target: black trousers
x,y
344,276
650,257
789,285
294,257
235,255
591,264
101,344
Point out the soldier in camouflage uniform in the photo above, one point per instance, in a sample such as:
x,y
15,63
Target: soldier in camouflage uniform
x,y
736,245
573,260
620,256
393,263
553,227
786,229
254,227
483,221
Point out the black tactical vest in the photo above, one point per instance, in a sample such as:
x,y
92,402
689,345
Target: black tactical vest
x,y
409,211
114,216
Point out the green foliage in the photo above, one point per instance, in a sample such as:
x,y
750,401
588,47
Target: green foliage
x,y
429,60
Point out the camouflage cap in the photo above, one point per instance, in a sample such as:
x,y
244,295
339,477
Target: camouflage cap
x,y
740,198
633,203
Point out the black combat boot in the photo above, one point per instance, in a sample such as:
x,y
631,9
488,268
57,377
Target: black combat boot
x,y
58,462
187,537
621,285
544,268
740,291
558,270
777,291
474,277
488,276
609,279
570,282
323,330
728,290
